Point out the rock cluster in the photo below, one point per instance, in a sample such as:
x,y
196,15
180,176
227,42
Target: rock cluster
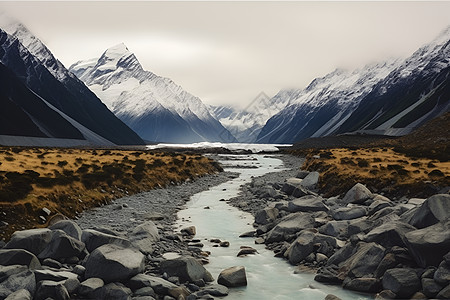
x,y
65,262
362,241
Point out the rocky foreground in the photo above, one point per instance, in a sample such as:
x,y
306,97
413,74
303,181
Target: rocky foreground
x,y
125,250
363,241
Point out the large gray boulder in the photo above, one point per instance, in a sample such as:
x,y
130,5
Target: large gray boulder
x,y
144,237
159,285
306,204
389,234
233,277
403,282
94,239
364,260
69,227
62,245
428,245
311,180
22,257
186,268
289,226
90,287
51,289
114,291
266,216
335,228
294,187
306,243
23,280
358,194
349,213
114,263
435,209
365,285
22,294
32,240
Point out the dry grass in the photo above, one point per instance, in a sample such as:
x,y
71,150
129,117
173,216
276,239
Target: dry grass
x,y
381,169
67,181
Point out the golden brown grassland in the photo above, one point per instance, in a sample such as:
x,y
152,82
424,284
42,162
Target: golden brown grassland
x,y
381,169
67,181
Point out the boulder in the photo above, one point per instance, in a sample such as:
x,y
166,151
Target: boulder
x,y
428,245
301,247
365,285
159,285
90,286
186,268
389,234
62,246
68,226
216,290
144,237
435,209
46,274
358,194
51,289
403,282
246,250
266,215
360,225
190,230
233,277
349,213
306,204
293,187
20,295
444,293
72,285
114,263
94,239
114,291
335,228
310,181
6,271
379,204
289,226
10,257
32,240
19,281
430,288
364,261
442,274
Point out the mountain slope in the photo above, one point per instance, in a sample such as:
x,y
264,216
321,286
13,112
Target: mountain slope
x,y
391,98
246,124
34,64
324,105
154,106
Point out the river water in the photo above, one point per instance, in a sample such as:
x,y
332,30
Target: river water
x,y
268,277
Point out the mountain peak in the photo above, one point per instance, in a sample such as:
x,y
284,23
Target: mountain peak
x,y
117,51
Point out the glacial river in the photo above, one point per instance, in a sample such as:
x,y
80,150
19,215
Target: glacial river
x,y
268,277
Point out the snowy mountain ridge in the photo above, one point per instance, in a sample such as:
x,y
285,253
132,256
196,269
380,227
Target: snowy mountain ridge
x,y
136,95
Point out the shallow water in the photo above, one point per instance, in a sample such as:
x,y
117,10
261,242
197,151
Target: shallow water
x,y
268,277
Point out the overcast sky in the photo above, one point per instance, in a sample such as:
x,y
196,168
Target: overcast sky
x,y
228,52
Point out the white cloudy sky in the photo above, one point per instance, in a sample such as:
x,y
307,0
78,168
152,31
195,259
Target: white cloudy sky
x,y
228,52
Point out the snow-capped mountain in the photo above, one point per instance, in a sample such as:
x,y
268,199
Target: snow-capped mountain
x,y
154,106
33,63
246,124
323,105
389,98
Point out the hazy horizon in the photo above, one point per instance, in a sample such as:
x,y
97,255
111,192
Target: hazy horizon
x,y
229,52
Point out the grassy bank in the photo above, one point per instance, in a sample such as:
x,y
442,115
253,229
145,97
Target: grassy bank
x,y
381,169
37,184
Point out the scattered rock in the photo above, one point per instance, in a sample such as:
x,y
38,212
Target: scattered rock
x,y
188,230
144,236
428,245
51,289
389,234
289,225
430,288
114,291
20,295
62,246
311,180
216,290
266,215
32,240
246,251
15,282
90,286
349,213
444,293
114,263
307,203
358,194
94,239
224,244
365,285
233,277
403,282
442,274
186,268
247,234
433,210
69,227
22,257
159,285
